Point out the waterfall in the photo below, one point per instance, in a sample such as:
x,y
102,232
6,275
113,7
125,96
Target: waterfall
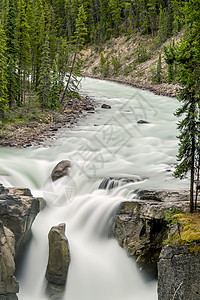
x,y
103,148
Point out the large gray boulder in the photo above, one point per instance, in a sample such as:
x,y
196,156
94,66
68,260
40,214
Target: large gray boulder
x,y
59,256
60,170
8,283
178,274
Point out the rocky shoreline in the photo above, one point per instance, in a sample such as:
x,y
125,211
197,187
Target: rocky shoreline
x,y
35,132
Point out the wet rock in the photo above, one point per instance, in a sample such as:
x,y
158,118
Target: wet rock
x,y
142,122
112,182
18,209
8,283
59,256
89,108
105,106
54,291
178,274
61,169
139,225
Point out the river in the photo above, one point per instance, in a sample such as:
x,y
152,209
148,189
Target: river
x,y
107,143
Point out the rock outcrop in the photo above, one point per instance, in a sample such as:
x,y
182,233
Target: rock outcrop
x,y
178,274
8,283
59,256
139,225
60,170
18,209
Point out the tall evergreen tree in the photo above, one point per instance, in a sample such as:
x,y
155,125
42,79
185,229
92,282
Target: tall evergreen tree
x,y
23,49
11,53
188,57
3,81
44,87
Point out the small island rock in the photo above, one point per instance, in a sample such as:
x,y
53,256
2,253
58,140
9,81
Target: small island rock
x,y
59,256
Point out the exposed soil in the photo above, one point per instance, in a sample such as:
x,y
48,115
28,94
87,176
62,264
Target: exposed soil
x,y
34,133
132,61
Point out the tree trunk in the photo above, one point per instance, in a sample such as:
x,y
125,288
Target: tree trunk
x,y
192,175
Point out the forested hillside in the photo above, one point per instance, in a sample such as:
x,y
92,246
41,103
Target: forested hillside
x,y
41,42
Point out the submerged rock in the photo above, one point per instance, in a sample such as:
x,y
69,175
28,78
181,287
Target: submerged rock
x,y
112,182
61,169
178,274
59,256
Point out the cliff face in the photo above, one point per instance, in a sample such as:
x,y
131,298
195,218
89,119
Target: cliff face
x,y
178,274
18,209
139,225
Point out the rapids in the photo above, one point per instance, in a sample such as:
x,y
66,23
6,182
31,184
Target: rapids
x,y
107,143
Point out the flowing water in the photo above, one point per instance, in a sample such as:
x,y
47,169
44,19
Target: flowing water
x,y
108,143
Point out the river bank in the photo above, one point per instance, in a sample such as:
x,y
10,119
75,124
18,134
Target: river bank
x,y
34,132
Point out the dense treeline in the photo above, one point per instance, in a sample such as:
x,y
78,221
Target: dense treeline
x,y
41,40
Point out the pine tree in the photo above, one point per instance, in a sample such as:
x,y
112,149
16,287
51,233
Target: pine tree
x,y
170,60
11,53
55,89
3,82
79,40
23,49
159,69
44,87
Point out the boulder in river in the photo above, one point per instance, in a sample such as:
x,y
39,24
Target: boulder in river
x,y
61,169
105,106
59,256
142,122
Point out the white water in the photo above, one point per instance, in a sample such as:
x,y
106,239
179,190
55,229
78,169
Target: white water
x,y
108,143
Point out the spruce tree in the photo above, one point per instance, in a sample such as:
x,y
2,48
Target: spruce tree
x,y
79,40
11,53
3,81
159,69
188,57
23,49
44,87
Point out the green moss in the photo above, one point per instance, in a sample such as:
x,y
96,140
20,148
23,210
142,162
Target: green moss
x,y
188,230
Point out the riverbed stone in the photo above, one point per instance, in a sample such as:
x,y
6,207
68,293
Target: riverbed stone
x,y
178,274
59,256
60,170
